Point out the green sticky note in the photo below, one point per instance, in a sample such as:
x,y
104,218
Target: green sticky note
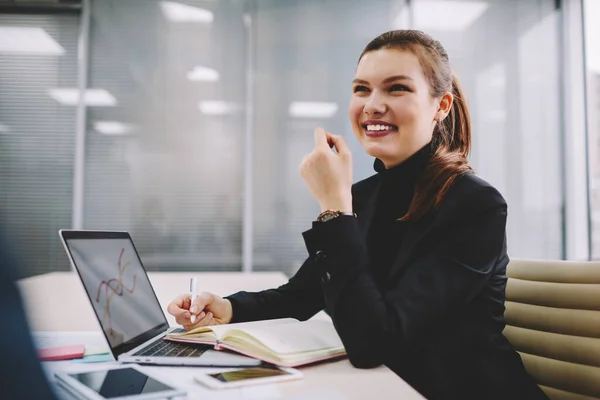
x,y
95,358
92,351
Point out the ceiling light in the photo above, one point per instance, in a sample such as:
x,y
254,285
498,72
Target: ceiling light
x,y
441,15
93,97
301,109
216,107
203,74
112,128
34,41
178,12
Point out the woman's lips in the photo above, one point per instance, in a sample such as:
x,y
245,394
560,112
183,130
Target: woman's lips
x,y
378,133
379,128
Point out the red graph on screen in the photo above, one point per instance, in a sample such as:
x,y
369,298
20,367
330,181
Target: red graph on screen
x,y
114,287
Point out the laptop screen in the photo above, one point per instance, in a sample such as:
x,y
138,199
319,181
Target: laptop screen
x,y
116,284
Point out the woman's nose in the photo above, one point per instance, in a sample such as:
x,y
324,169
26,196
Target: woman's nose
x,y
375,105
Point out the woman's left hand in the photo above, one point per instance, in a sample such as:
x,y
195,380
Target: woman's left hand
x,y
329,175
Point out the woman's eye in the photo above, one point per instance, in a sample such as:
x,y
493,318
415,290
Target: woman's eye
x,y
394,88
360,89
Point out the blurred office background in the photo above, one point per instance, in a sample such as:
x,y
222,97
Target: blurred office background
x,y
184,122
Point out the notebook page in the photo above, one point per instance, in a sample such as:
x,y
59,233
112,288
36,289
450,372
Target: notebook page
x,y
297,337
220,330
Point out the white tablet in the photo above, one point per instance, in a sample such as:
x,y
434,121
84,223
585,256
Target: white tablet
x,y
125,382
248,376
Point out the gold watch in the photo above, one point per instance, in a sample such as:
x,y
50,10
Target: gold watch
x,y
328,215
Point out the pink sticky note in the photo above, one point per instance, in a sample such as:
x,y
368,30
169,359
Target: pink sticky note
x,y
61,353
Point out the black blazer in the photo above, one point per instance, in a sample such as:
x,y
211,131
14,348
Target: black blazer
x,y
438,321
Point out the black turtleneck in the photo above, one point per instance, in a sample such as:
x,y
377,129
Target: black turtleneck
x,y
396,190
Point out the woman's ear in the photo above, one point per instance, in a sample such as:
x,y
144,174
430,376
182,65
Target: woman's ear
x,y
445,105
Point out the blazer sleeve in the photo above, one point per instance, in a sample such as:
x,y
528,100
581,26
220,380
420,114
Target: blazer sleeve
x,y
370,321
301,298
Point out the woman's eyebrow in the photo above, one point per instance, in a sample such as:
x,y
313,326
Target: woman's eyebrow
x,y
398,78
387,80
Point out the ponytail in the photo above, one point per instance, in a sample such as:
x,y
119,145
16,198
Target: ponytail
x,y
460,128
450,144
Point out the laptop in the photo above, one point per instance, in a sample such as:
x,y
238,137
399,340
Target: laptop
x,y
126,306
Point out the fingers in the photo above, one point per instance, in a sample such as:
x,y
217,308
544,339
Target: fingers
x,y
321,138
203,300
326,140
185,321
204,319
340,145
182,310
179,306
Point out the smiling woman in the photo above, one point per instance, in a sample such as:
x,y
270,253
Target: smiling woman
x,y
406,77
412,259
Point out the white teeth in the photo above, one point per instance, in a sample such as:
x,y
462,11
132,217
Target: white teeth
x,y
379,128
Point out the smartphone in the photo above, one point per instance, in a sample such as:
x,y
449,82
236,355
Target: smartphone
x,y
248,376
122,383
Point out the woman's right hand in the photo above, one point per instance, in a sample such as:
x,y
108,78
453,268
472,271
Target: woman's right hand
x,y
208,308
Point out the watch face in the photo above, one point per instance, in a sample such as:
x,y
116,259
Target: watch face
x,y
328,215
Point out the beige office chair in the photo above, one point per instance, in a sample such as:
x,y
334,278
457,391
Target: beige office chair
x,y
553,321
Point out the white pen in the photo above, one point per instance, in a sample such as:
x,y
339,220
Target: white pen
x,y
193,295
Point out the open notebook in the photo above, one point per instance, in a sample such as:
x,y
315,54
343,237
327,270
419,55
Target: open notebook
x,y
285,342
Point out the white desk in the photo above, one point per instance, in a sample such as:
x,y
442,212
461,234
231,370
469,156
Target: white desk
x,y
57,302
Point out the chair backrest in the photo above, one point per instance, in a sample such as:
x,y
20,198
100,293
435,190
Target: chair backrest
x,y
553,321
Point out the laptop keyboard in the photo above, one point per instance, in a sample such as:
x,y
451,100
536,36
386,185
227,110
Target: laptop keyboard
x,y
164,348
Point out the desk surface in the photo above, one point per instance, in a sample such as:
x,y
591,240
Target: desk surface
x,y
57,302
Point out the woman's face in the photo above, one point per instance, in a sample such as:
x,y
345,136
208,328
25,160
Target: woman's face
x,y
391,110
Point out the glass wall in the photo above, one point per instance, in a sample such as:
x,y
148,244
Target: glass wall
x,y
506,54
178,89
592,58
164,153
38,60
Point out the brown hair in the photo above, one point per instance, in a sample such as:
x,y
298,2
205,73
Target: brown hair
x,y
451,140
